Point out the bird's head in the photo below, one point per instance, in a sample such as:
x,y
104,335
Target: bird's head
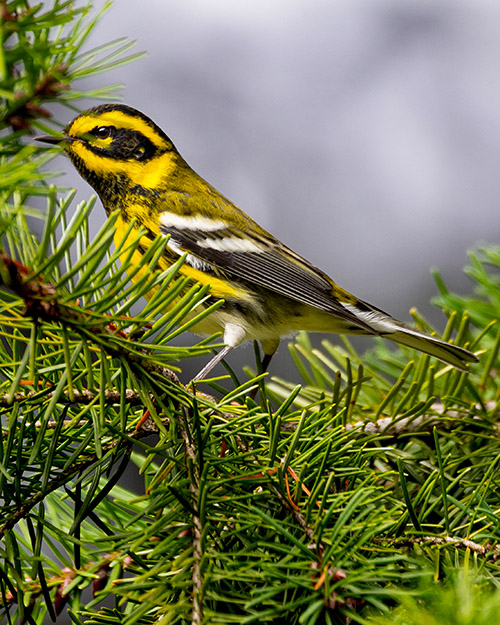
x,y
117,142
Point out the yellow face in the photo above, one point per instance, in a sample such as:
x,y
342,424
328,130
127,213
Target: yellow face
x,y
115,140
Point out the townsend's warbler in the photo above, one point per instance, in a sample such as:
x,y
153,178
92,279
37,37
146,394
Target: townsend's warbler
x,y
269,291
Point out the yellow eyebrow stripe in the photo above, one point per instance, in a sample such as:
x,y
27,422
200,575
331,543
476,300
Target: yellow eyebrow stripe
x,y
88,122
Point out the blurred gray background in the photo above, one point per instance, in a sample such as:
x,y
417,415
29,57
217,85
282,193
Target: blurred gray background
x,y
364,134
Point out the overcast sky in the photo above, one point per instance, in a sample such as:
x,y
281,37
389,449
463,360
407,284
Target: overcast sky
x,y
365,134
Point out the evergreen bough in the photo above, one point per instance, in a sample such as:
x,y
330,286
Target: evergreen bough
x,y
368,494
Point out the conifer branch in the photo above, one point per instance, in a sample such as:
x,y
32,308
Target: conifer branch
x,y
396,426
82,397
489,550
214,534
64,477
41,303
192,467
98,571
298,517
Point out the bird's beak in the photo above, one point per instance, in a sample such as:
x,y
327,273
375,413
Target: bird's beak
x,y
53,140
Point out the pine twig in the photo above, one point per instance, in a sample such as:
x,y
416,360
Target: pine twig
x,y
41,303
26,105
489,550
67,575
11,520
396,426
79,397
194,487
297,516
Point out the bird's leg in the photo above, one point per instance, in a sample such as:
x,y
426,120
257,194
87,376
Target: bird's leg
x,y
211,363
266,361
269,349
233,336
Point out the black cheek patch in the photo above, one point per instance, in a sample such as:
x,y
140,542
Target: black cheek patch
x,y
131,145
145,150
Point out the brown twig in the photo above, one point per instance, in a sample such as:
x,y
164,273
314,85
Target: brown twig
x,y
396,426
194,487
63,478
489,550
67,575
26,105
79,397
41,303
298,517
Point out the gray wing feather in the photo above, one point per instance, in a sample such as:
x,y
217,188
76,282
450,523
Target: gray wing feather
x,y
273,266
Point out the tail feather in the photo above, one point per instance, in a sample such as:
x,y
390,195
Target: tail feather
x,y
451,354
388,327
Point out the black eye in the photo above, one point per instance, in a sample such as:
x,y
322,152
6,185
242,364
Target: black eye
x,y
103,132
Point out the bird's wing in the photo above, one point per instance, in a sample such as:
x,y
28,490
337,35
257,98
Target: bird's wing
x,y
264,261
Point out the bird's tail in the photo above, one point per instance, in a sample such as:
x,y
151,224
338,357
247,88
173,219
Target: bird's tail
x,y
384,325
452,354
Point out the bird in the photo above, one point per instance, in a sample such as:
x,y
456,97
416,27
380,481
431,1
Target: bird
x,y
265,289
